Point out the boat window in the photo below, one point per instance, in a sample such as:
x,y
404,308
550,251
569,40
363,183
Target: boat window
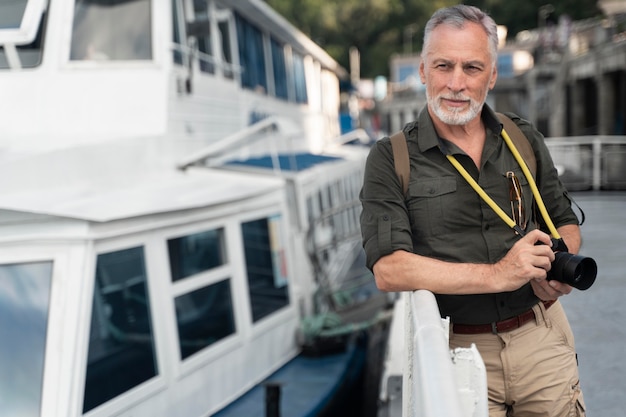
x,y
300,78
111,30
121,343
24,303
265,263
30,54
195,253
227,54
176,34
280,69
207,62
204,316
251,55
12,13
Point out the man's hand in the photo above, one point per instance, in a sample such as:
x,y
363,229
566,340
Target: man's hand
x,y
549,290
528,262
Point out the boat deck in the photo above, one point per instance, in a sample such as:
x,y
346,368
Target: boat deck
x,y
597,315
307,385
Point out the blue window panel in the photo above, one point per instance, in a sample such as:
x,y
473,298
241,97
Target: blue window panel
x,y
204,316
300,79
251,56
267,276
121,342
280,70
196,253
24,304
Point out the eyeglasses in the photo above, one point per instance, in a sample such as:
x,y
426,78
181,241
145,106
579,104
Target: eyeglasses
x,y
517,200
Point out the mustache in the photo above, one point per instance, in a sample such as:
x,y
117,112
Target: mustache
x,y
455,96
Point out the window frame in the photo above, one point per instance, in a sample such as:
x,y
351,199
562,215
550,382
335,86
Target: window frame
x,y
163,292
27,31
151,386
157,26
62,313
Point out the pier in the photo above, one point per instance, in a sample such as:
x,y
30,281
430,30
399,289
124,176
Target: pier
x,y
597,315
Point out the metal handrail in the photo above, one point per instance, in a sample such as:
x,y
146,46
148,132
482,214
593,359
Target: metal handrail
x,y
432,385
187,52
431,379
231,142
586,158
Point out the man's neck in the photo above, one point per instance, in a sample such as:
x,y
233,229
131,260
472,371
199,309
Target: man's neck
x,y
470,137
468,132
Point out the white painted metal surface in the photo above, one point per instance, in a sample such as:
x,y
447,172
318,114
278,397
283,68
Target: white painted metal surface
x,y
435,380
89,148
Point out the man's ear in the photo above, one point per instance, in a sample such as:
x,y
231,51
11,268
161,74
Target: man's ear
x,y
494,77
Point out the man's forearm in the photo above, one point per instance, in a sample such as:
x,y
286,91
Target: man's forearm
x,y
571,236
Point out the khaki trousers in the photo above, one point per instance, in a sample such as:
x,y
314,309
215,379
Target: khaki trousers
x,y
532,371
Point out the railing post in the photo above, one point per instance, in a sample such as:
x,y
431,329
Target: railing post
x,y
272,399
596,152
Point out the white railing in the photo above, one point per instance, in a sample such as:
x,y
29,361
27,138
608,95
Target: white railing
x,y
439,382
422,377
590,162
210,155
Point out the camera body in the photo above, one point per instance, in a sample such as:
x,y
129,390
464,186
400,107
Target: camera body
x,y
578,271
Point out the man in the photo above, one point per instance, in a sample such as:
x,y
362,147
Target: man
x,y
443,237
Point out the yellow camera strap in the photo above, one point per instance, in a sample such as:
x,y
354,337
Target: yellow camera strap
x,y
531,181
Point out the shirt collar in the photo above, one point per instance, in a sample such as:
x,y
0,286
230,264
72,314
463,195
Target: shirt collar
x,y
428,138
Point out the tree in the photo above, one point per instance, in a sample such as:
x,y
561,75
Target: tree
x,y
381,28
519,16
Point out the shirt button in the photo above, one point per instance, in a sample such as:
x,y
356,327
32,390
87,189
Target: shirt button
x,y
385,217
431,191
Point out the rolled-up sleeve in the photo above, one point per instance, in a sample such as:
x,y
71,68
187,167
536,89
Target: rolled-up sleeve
x,y
385,225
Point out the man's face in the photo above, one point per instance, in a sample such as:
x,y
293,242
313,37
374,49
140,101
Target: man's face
x,y
458,71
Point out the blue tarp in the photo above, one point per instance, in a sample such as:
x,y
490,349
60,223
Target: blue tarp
x,y
295,163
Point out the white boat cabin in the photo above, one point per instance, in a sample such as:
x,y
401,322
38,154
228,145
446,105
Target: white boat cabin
x,y
139,274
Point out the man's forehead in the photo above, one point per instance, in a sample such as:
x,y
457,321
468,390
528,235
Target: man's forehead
x,y
454,43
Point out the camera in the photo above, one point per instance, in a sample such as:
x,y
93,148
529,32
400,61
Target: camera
x,y
577,271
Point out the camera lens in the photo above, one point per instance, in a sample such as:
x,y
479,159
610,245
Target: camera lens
x,y
577,271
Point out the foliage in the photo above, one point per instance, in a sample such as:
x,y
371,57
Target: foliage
x,y
380,28
518,16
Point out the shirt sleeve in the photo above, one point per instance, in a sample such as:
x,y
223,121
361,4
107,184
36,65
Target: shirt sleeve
x,y
553,191
385,225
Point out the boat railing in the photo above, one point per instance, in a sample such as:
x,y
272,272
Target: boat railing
x,y
356,135
590,162
210,155
186,53
422,377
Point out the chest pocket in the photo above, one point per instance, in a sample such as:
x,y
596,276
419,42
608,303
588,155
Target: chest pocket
x,y
431,201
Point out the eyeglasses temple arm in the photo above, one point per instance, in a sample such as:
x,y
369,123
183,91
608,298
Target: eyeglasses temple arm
x,y
533,185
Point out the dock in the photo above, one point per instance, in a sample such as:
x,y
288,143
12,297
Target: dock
x,y
597,315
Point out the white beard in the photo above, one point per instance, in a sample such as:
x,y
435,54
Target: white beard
x,y
455,116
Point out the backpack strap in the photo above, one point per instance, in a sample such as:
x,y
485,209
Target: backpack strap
x,y
401,159
521,142
401,151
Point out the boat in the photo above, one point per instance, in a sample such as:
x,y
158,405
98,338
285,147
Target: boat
x,y
178,213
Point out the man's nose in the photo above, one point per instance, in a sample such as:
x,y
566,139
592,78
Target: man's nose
x,y
456,82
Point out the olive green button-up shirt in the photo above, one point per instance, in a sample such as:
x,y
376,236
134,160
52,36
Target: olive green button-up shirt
x,y
444,218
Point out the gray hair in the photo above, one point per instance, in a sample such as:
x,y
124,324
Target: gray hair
x,y
458,16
